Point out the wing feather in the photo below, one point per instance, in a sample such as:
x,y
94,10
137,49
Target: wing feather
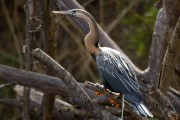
x,y
117,72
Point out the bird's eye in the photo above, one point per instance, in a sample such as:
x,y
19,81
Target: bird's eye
x,y
74,13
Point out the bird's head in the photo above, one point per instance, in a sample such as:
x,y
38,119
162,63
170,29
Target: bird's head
x,y
72,12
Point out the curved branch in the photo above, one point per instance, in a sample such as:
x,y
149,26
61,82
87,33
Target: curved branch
x,y
157,50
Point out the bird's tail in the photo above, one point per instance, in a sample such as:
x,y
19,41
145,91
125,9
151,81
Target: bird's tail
x,y
141,109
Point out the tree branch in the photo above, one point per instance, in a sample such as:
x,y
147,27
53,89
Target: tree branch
x,y
59,105
157,50
170,60
48,36
49,84
115,96
74,89
100,88
34,110
27,54
44,83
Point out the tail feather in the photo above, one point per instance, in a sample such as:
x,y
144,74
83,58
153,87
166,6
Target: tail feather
x,y
141,109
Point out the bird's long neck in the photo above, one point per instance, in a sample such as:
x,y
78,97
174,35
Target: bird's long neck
x,y
92,38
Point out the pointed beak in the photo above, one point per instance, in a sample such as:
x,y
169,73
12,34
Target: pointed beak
x,y
62,12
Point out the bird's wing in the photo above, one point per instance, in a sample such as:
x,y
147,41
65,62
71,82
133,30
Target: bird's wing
x,y
117,73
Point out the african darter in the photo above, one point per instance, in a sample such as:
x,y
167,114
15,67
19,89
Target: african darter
x,y
117,74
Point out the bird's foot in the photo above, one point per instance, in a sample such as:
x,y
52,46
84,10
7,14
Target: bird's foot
x,y
99,94
114,103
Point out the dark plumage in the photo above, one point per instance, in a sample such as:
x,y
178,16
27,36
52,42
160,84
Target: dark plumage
x,y
118,76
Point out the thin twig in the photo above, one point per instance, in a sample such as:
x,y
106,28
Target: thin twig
x,y
100,88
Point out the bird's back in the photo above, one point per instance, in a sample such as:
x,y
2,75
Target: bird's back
x,y
117,74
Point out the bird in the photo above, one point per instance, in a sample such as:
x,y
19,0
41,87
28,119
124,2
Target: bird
x,y
116,72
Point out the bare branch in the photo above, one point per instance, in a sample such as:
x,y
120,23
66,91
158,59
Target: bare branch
x,y
170,60
115,96
158,47
164,105
174,95
100,88
48,33
27,53
55,85
59,104
38,81
44,83
34,110
74,89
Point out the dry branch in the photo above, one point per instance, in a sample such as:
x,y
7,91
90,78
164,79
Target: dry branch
x,y
157,50
115,96
174,96
34,109
42,82
49,84
100,88
48,33
27,55
74,89
59,105
170,60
